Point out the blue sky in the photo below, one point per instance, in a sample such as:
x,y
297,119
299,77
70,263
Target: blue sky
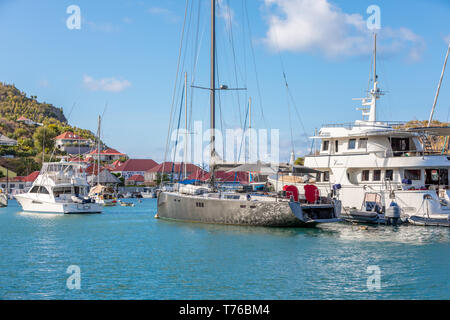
x,y
125,56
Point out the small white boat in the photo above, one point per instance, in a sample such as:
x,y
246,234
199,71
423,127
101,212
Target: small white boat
x,y
3,200
126,204
61,187
103,195
373,212
148,193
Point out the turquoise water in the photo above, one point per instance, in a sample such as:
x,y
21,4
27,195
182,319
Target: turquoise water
x,y
125,253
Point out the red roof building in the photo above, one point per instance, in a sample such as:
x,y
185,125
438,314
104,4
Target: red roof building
x,y
72,143
169,168
31,177
133,167
106,155
137,179
69,136
28,121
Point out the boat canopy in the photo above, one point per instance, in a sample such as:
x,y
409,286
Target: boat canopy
x,y
434,131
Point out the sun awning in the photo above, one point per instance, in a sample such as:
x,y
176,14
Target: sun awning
x,y
260,167
435,131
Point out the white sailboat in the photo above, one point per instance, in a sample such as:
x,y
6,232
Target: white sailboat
x,y
61,187
208,205
397,165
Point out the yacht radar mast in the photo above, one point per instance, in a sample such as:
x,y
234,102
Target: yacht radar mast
x,y
374,94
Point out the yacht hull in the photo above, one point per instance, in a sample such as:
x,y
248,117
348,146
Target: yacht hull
x,y
33,205
175,206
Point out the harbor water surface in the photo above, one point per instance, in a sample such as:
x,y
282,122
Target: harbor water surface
x,y
125,253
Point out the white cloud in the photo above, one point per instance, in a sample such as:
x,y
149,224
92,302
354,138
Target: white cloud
x,y
44,83
105,84
226,13
106,27
319,26
447,39
163,12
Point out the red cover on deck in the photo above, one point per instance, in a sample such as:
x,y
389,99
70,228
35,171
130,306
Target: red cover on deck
x,y
291,191
311,193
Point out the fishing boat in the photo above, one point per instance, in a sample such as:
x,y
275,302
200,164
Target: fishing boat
x,y
191,203
397,162
61,187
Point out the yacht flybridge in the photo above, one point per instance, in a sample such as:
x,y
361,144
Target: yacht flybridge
x,y
61,187
397,165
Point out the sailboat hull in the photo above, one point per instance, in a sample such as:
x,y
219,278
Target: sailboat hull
x,y
176,206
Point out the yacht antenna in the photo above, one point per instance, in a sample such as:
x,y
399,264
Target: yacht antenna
x,y
212,90
249,127
375,91
185,125
439,87
98,149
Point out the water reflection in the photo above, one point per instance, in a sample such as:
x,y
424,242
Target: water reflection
x,y
402,234
40,215
342,231
234,229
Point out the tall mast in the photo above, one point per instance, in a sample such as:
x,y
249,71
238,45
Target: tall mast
x,y
439,87
185,125
250,126
212,88
98,149
375,91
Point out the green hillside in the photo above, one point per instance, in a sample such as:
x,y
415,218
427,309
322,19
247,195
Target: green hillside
x,y
31,138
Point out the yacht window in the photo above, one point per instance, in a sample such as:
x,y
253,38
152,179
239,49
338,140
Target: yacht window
x,y
325,145
336,146
376,175
389,175
412,174
39,189
326,176
362,143
399,146
351,144
365,175
318,176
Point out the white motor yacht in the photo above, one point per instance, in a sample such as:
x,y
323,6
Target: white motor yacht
x,y
397,163
61,187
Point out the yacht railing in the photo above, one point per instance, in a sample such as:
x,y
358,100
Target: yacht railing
x,y
410,153
350,125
